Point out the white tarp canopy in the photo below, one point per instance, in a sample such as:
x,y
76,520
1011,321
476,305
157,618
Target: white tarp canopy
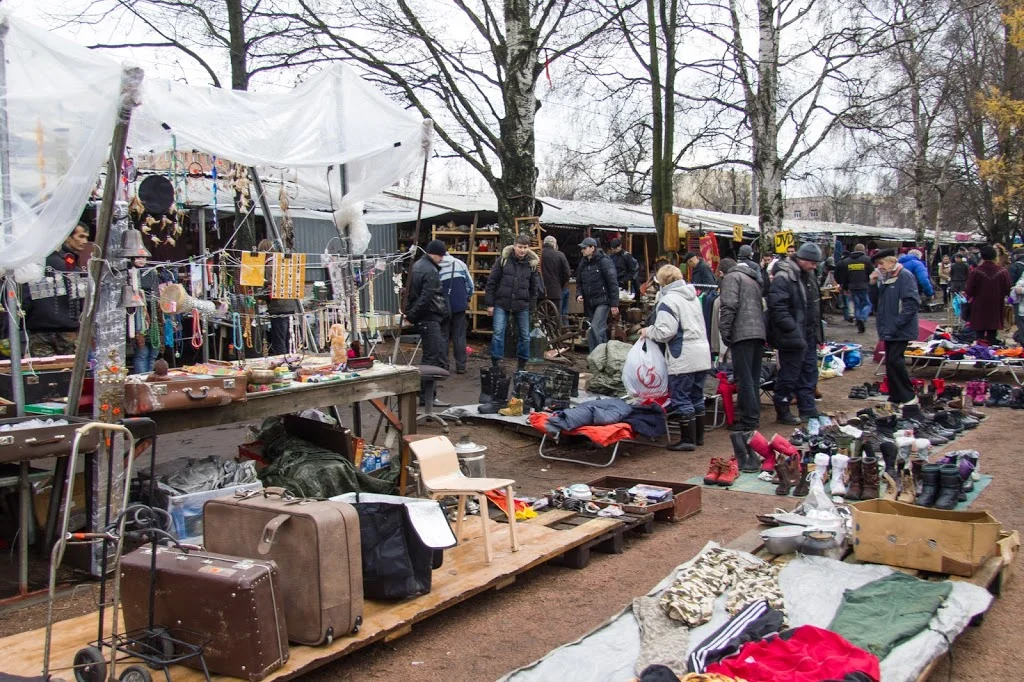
x,y
62,102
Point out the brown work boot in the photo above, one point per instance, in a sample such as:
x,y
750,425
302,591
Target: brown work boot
x,y
785,471
869,476
803,484
855,484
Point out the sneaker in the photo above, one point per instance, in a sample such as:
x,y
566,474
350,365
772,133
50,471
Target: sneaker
x,y
728,472
714,471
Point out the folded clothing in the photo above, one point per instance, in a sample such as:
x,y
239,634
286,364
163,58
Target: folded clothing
x,y
604,436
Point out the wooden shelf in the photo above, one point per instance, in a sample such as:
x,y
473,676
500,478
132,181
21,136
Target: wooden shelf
x,y
487,253
452,233
459,253
480,233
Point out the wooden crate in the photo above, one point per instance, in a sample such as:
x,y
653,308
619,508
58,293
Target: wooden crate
x,y
685,500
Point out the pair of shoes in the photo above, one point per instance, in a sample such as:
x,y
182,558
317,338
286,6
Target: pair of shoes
x,y
858,393
942,486
721,471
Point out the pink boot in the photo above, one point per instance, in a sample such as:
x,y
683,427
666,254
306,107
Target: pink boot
x,y
759,444
783,446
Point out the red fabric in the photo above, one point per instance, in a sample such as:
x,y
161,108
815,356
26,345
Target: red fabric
x,y
727,390
808,654
602,435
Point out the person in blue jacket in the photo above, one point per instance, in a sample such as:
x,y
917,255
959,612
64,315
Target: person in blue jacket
x,y
457,284
896,316
915,266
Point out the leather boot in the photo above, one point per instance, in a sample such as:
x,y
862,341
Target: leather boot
x,y
783,467
698,431
889,452
949,486
803,484
487,384
855,482
748,460
869,476
686,430
929,485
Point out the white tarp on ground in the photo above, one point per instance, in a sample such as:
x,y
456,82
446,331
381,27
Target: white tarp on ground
x,y
62,102
813,589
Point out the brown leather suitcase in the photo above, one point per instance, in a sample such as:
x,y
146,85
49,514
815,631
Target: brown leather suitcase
x,y
236,604
315,543
183,393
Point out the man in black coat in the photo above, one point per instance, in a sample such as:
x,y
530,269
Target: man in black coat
x,y
853,274
626,267
428,305
555,273
794,314
700,271
52,322
597,289
512,287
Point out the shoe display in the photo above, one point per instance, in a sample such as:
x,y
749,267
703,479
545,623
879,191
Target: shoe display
x,y
869,478
714,470
858,393
729,471
748,460
514,409
759,444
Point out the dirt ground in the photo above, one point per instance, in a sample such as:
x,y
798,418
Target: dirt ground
x,y
550,606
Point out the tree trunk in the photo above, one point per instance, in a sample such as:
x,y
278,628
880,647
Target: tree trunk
x,y
236,50
765,128
657,128
517,149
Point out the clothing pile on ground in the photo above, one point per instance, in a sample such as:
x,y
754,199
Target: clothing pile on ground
x,y
604,421
185,475
605,364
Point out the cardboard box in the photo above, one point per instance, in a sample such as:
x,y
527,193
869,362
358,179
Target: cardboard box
x,y
905,535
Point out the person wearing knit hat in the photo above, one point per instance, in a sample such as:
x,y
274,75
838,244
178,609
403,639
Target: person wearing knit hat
x,y
794,314
427,306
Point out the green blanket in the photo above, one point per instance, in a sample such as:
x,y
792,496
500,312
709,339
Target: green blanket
x,y
605,363
883,614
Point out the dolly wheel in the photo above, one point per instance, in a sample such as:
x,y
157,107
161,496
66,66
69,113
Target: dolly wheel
x,y
135,673
90,666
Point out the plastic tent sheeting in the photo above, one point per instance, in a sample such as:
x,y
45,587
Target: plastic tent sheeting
x,y
334,118
62,103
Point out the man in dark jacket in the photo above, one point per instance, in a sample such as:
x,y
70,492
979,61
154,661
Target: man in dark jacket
x,y
512,287
852,274
597,289
457,284
794,311
741,325
52,322
958,273
896,317
428,305
555,273
626,267
700,272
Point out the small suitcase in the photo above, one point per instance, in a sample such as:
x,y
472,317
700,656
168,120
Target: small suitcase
x,y
236,604
315,543
183,393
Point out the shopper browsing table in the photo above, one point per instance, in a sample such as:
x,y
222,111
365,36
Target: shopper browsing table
x,y
896,318
428,305
598,291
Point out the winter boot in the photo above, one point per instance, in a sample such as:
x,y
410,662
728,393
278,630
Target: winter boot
x,y
784,416
949,487
782,446
686,437
869,477
855,482
759,444
821,462
714,470
728,472
784,469
929,485
699,429
886,426
889,452
837,485
803,484
487,384
748,459
520,365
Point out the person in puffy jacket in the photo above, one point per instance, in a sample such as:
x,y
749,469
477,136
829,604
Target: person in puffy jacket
x,y
853,274
428,305
512,287
911,260
597,289
700,271
794,313
679,327
741,326
896,318
457,285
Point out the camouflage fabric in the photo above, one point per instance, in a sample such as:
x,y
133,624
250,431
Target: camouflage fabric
x,y
691,598
45,344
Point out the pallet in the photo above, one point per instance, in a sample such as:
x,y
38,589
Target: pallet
x,y
612,542
992,575
463,575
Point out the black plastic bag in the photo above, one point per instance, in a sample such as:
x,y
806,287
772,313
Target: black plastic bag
x,y
396,562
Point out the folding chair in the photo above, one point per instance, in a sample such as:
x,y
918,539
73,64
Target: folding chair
x,y
614,453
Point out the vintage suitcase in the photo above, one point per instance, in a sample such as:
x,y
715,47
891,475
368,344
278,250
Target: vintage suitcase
x,y
235,605
316,544
45,441
184,393
41,385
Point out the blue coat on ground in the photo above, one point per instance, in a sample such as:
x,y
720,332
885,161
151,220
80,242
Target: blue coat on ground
x,y
599,412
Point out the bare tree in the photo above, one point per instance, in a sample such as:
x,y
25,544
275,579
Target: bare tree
x,y
715,189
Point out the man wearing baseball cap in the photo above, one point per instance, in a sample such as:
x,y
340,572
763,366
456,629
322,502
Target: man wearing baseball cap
x,y
794,315
597,289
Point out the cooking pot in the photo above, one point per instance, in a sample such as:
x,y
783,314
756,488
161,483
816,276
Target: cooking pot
x,y
783,539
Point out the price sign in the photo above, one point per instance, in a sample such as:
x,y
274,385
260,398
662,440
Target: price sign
x,y
784,240
737,233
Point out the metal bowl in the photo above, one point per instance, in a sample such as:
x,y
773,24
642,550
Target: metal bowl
x,y
783,540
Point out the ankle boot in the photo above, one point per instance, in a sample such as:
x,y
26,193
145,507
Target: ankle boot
x,y
783,446
784,416
783,468
855,481
698,430
714,470
748,460
929,485
728,472
949,486
889,453
803,484
686,437
837,486
869,478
